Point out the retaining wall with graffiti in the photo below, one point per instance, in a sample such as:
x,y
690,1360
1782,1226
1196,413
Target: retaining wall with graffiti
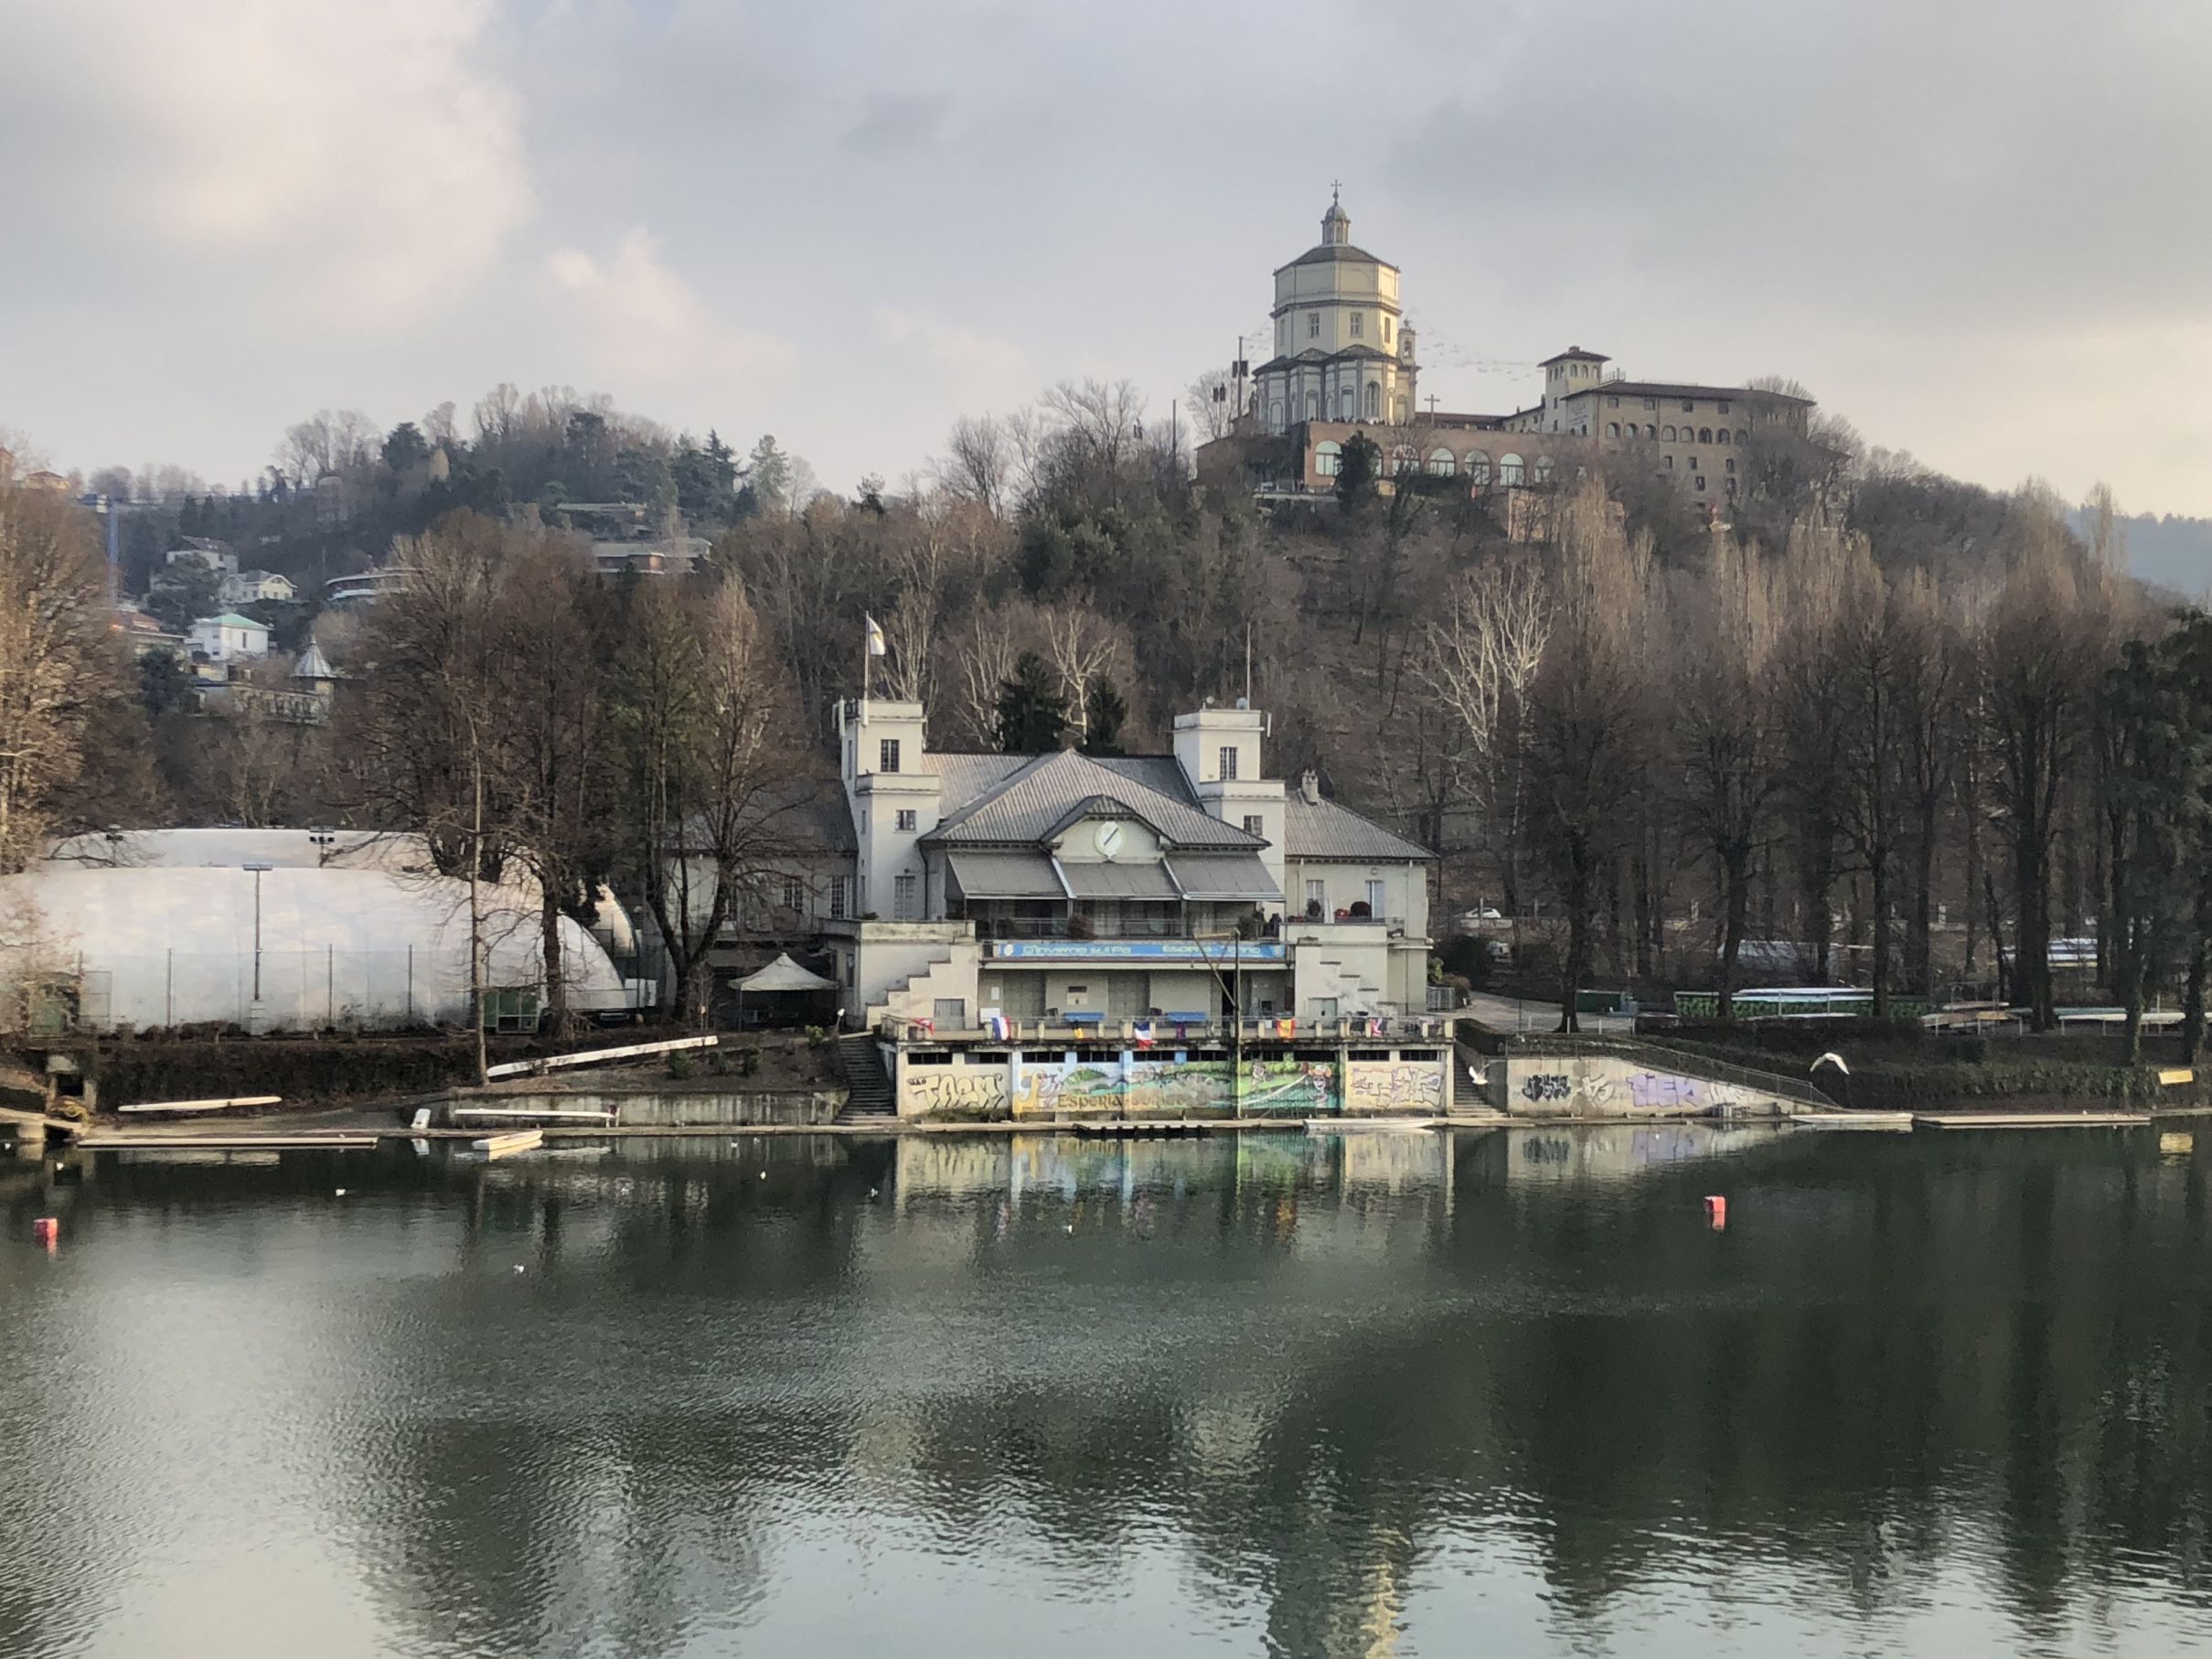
x,y
1615,1085
966,1085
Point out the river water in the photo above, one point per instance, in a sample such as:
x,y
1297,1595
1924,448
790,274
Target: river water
x,y
1386,1393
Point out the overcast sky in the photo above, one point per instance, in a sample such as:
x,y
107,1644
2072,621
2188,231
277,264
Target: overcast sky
x,y
1981,229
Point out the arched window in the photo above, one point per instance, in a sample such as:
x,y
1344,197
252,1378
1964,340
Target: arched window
x,y
1742,436
1544,469
1667,432
1328,458
1343,404
1723,434
1509,469
1403,459
1275,415
1612,429
1313,406
1704,434
1374,399
1649,431
1440,463
1477,466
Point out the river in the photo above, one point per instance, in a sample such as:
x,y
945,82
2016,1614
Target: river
x,y
1386,1393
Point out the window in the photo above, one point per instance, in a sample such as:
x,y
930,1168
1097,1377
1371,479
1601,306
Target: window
x,y
1612,429
1374,399
1651,403
1612,403
1728,484
1509,469
1343,404
1693,463
1275,414
903,906
1722,406
1359,320
1228,763
837,900
906,818
1477,466
1374,898
887,755
1651,431
1667,432
1317,898
1699,483
1729,465
1255,824
1313,406
1704,434
863,822
1689,405
1723,434
795,893
1441,464
1328,458
1313,325
1544,469
1670,460
1386,331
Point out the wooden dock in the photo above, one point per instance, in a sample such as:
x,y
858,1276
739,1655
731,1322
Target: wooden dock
x,y
201,1106
514,1141
2032,1120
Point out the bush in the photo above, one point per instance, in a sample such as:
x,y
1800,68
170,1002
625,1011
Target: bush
x,y
679,1064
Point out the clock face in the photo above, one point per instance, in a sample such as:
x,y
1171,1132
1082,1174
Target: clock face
x,y
1107,838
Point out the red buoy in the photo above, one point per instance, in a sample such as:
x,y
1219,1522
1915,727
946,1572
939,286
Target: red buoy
x,y
1716,1213
47,1231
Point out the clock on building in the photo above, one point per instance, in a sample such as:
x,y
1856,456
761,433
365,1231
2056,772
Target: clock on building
x,y
1107,838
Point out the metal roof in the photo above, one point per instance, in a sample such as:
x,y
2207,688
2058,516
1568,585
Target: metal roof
x,y
1224,876
1101,881
1029,806
1005,875
1322,829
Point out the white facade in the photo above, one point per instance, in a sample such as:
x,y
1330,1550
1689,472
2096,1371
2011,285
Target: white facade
x,y
228,637
1342,349
1067,887
258,587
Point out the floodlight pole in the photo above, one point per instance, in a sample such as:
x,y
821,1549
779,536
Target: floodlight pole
x,y
259,871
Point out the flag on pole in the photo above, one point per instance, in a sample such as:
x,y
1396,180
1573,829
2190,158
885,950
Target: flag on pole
x,y
876,646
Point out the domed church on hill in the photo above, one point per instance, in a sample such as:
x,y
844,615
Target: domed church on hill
x,y
1342,350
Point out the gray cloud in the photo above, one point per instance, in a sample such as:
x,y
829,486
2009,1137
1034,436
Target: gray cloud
x,y
1979,232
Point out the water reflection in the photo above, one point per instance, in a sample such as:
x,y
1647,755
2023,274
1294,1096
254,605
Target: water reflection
x,y
1331,1395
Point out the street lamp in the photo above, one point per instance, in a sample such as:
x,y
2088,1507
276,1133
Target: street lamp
x,y
258,869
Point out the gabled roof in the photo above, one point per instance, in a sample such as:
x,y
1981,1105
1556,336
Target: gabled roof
x,y
1322,829
231,620
1049,791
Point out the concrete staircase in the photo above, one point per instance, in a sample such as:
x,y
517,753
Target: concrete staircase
x,y
916,996
869,1099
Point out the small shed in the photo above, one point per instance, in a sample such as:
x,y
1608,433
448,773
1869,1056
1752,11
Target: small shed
x,y
782,995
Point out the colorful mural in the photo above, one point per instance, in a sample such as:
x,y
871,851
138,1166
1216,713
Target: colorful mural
x,y
1170,1084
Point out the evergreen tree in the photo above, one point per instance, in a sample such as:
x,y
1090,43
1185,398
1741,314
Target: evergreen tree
x,y
1104,712
1031,712
1357,471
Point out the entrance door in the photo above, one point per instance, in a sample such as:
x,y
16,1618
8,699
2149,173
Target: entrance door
x,y
1128,995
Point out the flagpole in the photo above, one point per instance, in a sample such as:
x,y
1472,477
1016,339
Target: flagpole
x,y
867,659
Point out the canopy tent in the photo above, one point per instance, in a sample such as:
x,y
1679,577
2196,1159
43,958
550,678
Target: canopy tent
x,y
784,974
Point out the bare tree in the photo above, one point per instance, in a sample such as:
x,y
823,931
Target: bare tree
x,y
54,656
1725,744
979,462
1479,657
1587,735
1084,650
1210,404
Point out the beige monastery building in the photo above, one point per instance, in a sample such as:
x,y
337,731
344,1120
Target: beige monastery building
x,y
1344,363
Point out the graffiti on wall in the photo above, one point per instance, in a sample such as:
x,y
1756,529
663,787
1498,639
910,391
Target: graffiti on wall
x,y
973,1091
1663,1092
1546,1086
1397,1086
1293,1088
